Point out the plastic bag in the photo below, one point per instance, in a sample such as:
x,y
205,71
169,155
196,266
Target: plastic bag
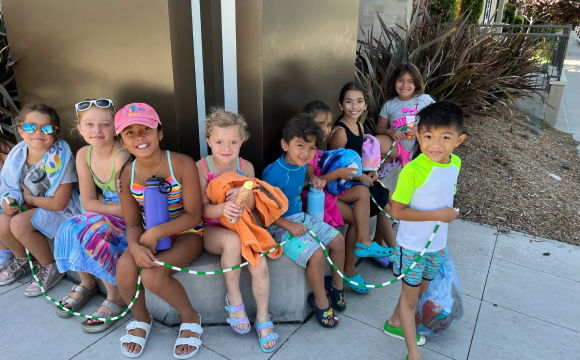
x,y
441,305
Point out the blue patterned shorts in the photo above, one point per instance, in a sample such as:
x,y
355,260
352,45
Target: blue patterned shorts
x,y
301,249
425,269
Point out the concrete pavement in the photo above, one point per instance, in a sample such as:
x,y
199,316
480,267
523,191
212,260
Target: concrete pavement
x,y
518,304
569,115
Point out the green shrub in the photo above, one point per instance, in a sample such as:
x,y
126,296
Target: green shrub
x,y
458,62
475,8
447,9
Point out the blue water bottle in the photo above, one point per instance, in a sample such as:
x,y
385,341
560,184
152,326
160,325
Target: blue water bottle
x,y
157,207
315,203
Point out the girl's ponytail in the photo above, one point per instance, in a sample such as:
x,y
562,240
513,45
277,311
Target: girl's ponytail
x,y
131,158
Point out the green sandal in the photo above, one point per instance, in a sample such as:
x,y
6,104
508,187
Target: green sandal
x,y
397,333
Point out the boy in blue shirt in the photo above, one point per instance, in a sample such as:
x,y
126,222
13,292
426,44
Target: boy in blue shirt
x,y
300,140
423,196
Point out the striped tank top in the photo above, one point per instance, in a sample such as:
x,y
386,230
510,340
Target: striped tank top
x,y
174,197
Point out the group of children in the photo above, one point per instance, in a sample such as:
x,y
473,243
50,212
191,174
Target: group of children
x,y
95,210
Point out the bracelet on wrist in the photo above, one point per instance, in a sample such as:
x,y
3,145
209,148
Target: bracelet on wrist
x,y
105,201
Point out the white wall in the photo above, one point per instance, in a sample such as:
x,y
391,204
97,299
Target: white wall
x,y
392,12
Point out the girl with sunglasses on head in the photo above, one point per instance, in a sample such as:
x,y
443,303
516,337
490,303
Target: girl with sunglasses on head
x,y
139,128
92,242
38,194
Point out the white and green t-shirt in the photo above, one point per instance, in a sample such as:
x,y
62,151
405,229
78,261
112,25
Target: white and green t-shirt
x,y
426,185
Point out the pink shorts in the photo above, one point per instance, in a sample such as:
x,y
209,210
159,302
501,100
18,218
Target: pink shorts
x,y
404,156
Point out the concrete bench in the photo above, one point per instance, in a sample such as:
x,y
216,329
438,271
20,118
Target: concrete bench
x,y
289,289
289,286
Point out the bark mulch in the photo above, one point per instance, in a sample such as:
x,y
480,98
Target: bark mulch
x,y
505,179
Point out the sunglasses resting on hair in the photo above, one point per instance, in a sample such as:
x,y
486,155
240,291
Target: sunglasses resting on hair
x,y
46,129
86,104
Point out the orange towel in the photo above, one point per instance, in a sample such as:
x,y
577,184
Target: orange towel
x,y
271,203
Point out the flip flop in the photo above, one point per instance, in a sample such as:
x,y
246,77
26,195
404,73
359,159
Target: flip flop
x,y
372,250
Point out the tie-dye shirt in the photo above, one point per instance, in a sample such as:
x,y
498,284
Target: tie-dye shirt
x,y
396,111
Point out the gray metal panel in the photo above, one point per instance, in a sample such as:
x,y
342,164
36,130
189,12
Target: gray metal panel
x,y
69,50
309,50
250,92
182,54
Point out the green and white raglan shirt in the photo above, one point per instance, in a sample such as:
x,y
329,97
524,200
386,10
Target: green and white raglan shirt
x,y
426,185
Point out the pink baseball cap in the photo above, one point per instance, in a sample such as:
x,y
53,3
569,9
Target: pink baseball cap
x,y
136,113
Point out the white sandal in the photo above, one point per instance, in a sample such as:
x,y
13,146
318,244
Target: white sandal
x,y
190,341
128,338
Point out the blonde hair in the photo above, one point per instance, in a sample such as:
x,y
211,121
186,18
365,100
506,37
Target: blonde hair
x,y
219,117
74,131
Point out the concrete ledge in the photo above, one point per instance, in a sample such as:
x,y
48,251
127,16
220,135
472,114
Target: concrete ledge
x,y
288,291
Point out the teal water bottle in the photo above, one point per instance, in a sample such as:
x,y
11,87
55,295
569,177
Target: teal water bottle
x,y
315,203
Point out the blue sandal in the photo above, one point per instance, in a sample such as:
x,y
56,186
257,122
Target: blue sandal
x,y
325,317
372,250
358,279
336,296
273,336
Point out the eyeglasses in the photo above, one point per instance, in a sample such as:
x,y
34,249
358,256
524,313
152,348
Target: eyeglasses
x,y
30,128
102,103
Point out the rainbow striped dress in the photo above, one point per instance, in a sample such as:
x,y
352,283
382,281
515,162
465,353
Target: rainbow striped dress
x,y
174,196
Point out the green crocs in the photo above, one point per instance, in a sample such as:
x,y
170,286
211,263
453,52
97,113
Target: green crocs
x,y
398,333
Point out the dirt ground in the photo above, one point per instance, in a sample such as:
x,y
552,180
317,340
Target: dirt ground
x,y
505,177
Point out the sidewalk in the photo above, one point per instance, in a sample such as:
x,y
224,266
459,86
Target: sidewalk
x,y
518,304
569,115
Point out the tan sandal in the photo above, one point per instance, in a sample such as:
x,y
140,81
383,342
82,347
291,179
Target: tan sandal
x,y
76,305
98,327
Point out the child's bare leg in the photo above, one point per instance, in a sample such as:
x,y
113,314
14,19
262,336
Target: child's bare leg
x,y
127,273
336,253
385,229
158,280
221,241
407,304
360,198
350,239
30,238
7,237
261,291
315,275
386,143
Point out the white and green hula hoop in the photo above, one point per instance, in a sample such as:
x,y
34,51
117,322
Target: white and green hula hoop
x,y
194,272
79,314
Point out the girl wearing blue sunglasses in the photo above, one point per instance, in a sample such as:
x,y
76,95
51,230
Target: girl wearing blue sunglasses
x,y
37,196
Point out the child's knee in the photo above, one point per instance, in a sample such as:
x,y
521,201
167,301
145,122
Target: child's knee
x,y
232,242
261,270
337,243
153,279
19,225
125,266
317,258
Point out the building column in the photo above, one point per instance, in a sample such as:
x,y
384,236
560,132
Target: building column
x,y
500,9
